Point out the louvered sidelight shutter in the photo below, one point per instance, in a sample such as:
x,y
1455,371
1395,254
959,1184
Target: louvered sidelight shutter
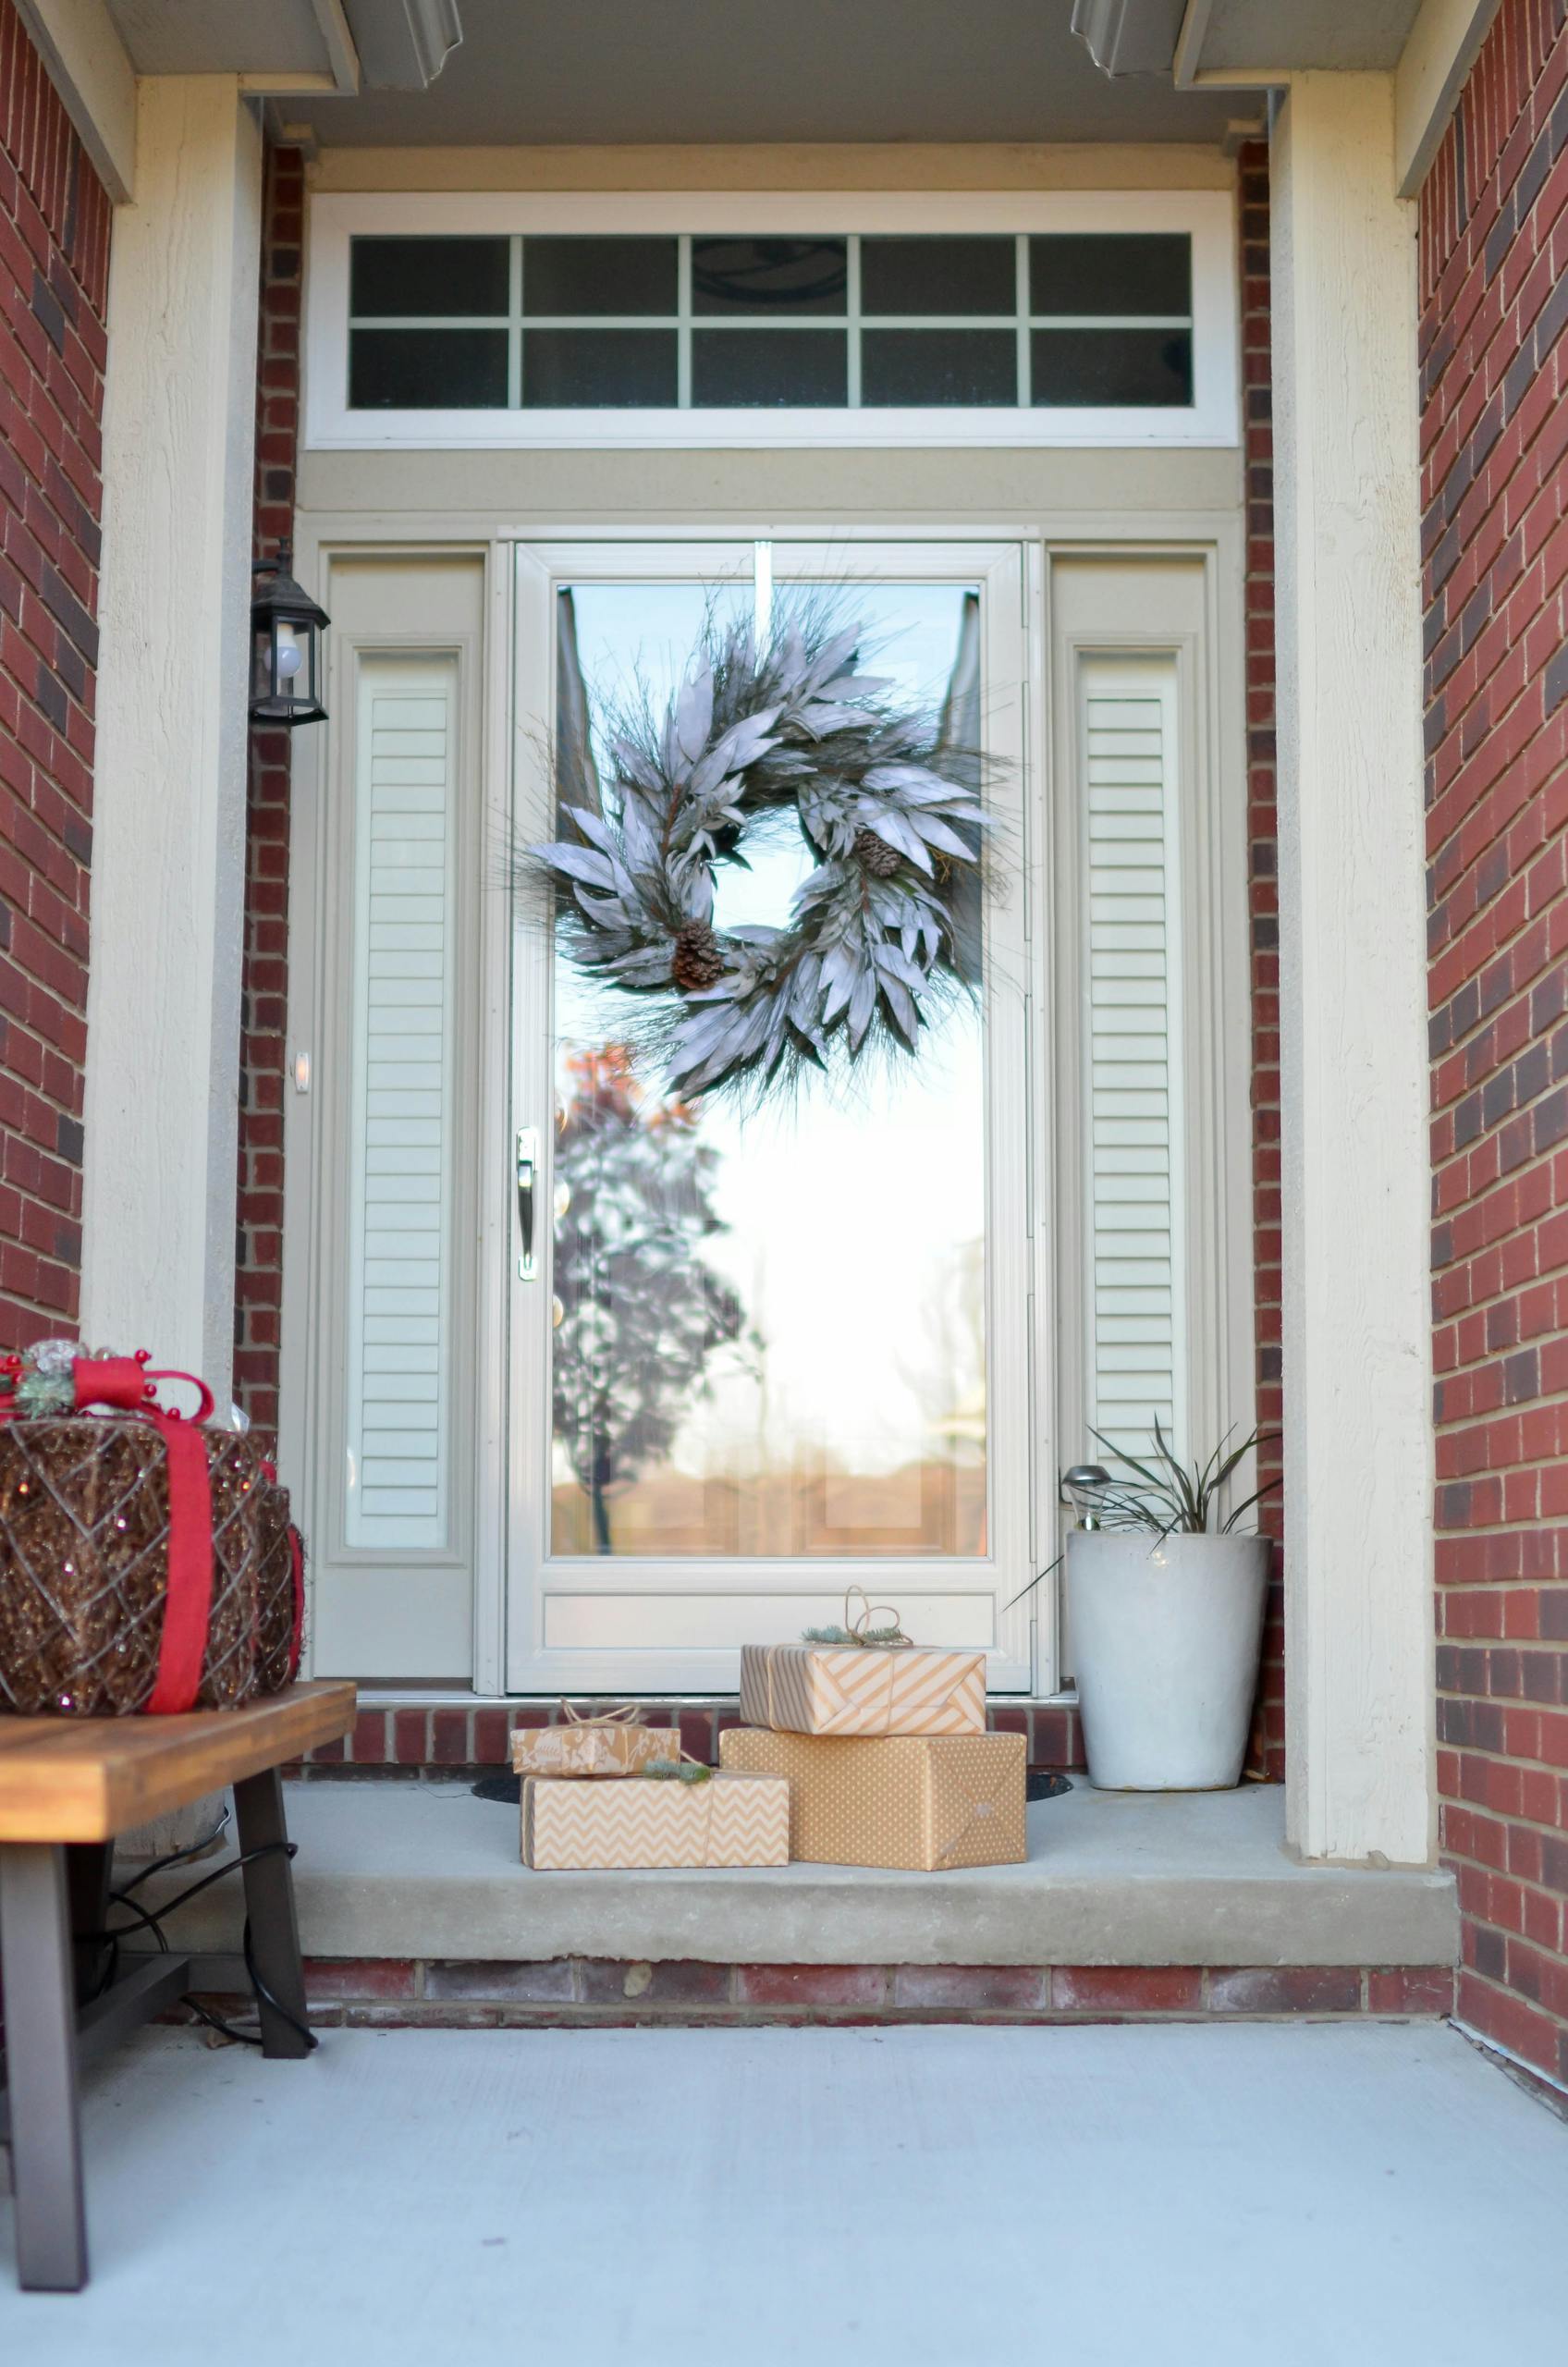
x,y
1132,1069
399,1229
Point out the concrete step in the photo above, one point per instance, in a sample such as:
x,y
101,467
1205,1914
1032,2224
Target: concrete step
x,y
423,1871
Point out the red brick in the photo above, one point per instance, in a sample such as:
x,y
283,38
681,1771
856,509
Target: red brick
x,y
1409,1989
335,1978
1285,1989
811,1987
549,1983
606,1982
370,1738
1127,1989
972,1988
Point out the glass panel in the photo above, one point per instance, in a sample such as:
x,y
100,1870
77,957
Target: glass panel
x,y
763,276
397,277
599,369
770,1326
1151,368
939,366
938,275
427,369
1112,272
605,276
760,368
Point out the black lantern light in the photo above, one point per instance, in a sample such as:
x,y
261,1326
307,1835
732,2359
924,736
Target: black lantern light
x,y
286,628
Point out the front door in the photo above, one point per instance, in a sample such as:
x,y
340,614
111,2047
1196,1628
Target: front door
x,y
764,1350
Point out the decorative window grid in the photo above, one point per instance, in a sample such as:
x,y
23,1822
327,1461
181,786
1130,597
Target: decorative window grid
x,y
855,321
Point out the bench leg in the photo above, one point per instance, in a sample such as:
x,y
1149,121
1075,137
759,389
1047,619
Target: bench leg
x,y
35,1940
89,1873
269,1905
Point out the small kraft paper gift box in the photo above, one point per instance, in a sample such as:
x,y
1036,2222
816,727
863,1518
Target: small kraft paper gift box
x,y
918,1803
731,1820
611,1744
862,1679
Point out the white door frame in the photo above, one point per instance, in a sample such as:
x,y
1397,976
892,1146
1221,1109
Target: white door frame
x,y
1019,1442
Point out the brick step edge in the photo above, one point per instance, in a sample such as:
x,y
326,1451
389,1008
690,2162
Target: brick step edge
x,y
452,1739
582,1991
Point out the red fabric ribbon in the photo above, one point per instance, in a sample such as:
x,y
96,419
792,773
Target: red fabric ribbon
x,y
124,1381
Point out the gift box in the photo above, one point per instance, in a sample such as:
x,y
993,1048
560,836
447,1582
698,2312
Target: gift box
x,y
147,1562
731,1820
611,1744
922,1803
863,1689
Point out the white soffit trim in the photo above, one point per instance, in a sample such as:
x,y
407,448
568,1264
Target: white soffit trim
x,y
1444,44
1439,49
85,59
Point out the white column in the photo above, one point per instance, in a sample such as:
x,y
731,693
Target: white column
x,y
169,867
1358,1580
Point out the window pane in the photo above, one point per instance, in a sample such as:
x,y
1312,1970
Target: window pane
x,y
1115,273
901,366
762,368
769,275
598,369
765,1342
396,278
937,276
587,275
1142,368
427,370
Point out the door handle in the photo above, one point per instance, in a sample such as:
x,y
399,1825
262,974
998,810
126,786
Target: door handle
x,y
527,1182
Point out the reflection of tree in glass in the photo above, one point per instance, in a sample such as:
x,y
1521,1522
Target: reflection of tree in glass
x,y
640,1310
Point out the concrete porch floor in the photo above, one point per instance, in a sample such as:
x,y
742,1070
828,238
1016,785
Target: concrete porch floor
x,y
1328,2196
400,1869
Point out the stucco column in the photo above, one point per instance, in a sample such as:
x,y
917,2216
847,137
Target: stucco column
x,y
1353,982
168,861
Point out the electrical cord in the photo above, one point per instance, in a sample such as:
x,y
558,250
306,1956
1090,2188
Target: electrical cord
x,y
145,1921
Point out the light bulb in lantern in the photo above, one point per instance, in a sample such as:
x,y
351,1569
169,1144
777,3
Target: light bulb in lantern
x,y
289,654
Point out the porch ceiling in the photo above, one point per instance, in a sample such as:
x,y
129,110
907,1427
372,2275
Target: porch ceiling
x,y
618,71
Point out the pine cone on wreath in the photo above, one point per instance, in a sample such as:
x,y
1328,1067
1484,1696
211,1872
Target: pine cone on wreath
x,y
874,855
698,959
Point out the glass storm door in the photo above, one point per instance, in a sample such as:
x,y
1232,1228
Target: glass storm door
x,y
762,1352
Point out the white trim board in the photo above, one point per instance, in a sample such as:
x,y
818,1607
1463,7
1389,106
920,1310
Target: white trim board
x,y
1206,214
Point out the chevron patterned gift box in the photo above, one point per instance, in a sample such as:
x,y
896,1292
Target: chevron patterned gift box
x,y
863,1689
732,1819
919,1803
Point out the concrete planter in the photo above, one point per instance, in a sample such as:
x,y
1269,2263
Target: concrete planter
x,y
1166,1636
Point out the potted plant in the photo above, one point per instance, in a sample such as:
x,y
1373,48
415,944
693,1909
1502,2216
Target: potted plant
x,y
1165,1604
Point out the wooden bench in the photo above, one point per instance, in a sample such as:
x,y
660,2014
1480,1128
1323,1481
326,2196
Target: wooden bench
x,y
68,1788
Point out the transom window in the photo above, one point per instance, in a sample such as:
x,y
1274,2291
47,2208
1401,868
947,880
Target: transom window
x,y
654,319
718,323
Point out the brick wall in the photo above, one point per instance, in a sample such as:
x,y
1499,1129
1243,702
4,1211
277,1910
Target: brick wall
x,y
1266,1752
265,991
1494,372
55,220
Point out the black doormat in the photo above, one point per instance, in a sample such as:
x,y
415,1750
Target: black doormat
x,y
1042,1785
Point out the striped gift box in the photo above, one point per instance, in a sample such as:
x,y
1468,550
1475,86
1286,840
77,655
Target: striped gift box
x,y
729,1820
863,1689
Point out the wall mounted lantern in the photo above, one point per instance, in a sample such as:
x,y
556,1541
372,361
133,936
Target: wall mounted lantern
x,y
285,630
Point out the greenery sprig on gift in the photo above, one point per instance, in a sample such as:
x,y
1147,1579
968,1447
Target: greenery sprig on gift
x,y
677,1771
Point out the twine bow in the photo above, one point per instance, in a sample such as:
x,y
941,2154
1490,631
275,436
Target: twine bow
x,y
858,1629
623,1716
